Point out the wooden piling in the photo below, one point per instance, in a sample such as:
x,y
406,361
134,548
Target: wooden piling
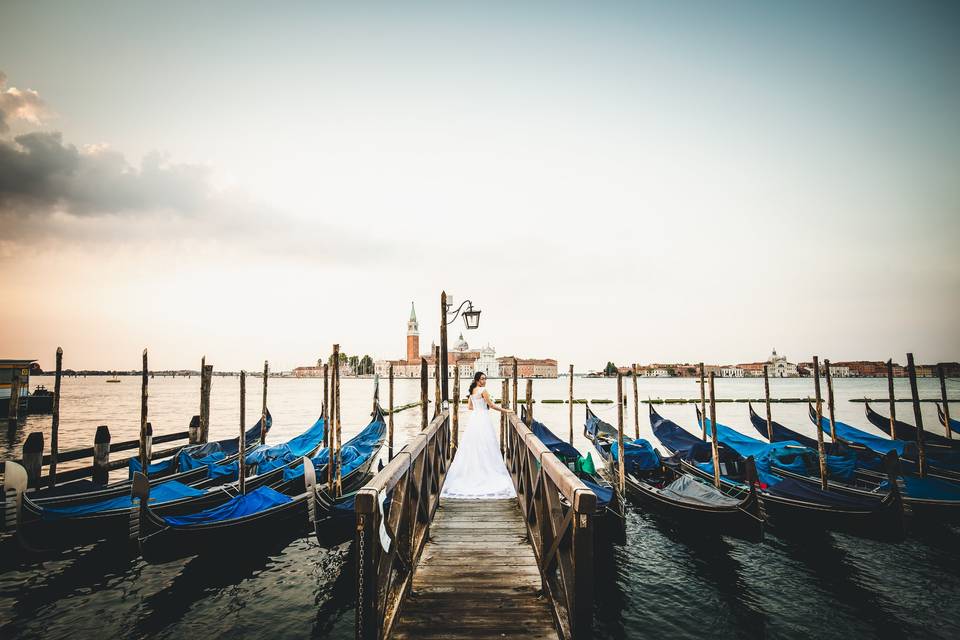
x,y
831,409
241,460
621,481
144,380
55,422
336,394
714,446
196,429
948,432
922,458
703,404
505,397
437,373
820,448
101,455
390,415
516,388
424,410
205,414
766,399
325,410
893,401
331,413
529,402
193,431
263,409
13,407
455,438
33,457
570,400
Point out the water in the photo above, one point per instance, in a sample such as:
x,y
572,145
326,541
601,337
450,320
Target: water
x,y
663,581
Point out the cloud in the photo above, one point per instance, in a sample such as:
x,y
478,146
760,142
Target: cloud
x,y
19,104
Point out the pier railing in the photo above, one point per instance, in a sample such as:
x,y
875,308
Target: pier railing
x,y
388,548
558,509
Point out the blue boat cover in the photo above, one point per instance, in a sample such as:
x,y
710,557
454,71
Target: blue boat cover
x,y
355,452
928,488
159,494
880,444
640,456
280,455
604,494
248,504
563,450
164,466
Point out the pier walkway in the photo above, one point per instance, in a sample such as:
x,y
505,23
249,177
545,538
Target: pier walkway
x,y
474,569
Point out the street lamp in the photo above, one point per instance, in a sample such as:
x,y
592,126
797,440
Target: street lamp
x,y
471,318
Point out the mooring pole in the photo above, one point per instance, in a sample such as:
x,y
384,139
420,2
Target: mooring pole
x,y
714,447
144,379
703,405
529,402
636,403
516,387
55,423
325,412
336,393
943,396
390,415
437,400
205,413
242,457
893,401
820,449
424,405
445,385
505,392
571,404
922,461
830,404
13,408
621,484
456,410
263,408
196,428
33,458
331,420
101,455
766,399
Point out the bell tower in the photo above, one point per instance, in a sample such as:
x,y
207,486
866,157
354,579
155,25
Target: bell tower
x,y
413,336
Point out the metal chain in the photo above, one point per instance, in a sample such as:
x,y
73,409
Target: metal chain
x,y
361,560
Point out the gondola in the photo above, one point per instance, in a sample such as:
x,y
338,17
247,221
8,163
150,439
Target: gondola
x,y
942,462
933,500
787,504
276,512
191,465
693,503
609,516
68,523
949,448
954,424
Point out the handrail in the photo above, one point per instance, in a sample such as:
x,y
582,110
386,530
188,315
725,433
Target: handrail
x,y
412,482
558,510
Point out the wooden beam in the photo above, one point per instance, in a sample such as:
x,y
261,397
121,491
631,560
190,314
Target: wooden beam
x,y
55,422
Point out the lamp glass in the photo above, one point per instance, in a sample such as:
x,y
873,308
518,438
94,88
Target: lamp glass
x,y
471,318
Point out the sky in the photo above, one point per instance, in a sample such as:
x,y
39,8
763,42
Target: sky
x,y
637,182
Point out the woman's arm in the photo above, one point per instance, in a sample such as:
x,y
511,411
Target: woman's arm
x,y
490,403
469,402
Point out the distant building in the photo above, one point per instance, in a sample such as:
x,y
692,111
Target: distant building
x,y
528,367
776,366
731,371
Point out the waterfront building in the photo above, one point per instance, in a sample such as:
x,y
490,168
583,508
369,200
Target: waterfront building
x,y
730,371
776,365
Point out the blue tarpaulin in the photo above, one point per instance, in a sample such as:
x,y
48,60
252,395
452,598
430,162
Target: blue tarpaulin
x,y
873,442
354,453
159,494
164,466
276,456
254,502
563,450
640,456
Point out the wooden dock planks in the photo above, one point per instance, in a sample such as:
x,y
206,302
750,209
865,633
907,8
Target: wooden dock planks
x,y
477,578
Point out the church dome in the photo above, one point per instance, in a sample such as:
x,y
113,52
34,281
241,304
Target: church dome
x,y
461,344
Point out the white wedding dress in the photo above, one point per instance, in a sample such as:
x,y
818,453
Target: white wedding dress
x,y
478,471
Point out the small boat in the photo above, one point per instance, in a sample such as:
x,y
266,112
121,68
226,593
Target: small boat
x,y
277,512
113,379
787,504
934,443
931,499
40,401
69,523
688,500
609,516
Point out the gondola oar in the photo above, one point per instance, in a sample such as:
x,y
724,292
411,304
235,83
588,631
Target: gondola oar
x,y
893,402
921,454
820,451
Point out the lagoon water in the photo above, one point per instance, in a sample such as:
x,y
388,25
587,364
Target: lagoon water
x,y
663,582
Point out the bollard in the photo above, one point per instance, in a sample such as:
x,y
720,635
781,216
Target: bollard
x,y
101,455
33,458
194,430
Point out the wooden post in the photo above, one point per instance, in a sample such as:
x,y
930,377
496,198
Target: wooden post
x,y
912,371
714,447
331,413
703,405
101,455
621,484
442,350
456,408
242,458
571,404
144,379
424,415
820,450
197,428
326,412
437,373
636,403
505,392
207,382
390,416
516,388
193,431
14,405
336,393
263,409
33,457
943,397
830,405
893,401
766,399
529,402
55,423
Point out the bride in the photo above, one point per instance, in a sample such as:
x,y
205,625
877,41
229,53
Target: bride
x,y
478,472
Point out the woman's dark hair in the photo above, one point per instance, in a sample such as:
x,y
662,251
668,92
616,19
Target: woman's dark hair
x,y
476,379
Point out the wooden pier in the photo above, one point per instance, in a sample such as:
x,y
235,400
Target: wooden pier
x,y
477,577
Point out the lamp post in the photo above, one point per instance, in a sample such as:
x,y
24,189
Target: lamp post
x,y
471,318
